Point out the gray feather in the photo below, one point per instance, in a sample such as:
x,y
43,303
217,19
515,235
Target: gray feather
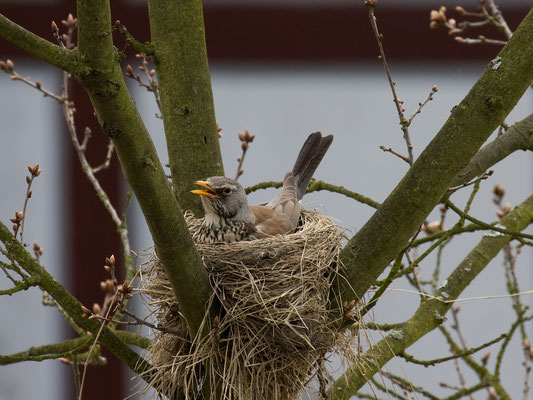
x,y
312,152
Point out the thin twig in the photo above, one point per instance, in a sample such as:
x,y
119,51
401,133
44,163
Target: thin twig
x,y
421,105
140,321
34,172
486,175
455,311
86,136
4,268
480,40
246,138
513,288
9,68
465,26
485,225
107,161
497,19
415,278
404,122
37,85
68,113
384,389
520,310
316,186
388,149
94,344
383,286
154,88
489,15
120,295
137,322
152,85
467,352
76,372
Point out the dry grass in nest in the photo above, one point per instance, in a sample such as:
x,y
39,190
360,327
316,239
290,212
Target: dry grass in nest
x,y
273,335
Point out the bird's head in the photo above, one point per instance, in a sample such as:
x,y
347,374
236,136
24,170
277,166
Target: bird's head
x,y
224,198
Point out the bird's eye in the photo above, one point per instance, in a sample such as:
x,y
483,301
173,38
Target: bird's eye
x,y
226,190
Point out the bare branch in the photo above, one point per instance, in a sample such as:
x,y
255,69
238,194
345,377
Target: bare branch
x,y
388,149
152,85
489,15
35,171
421,105
486,175
467,352
480,40
245,139
404,122
107,161
497,19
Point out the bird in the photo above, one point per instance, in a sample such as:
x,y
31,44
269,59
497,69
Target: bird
x,y
229,218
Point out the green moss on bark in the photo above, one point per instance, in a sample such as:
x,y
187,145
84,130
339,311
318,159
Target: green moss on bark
x,y
178,40
518,137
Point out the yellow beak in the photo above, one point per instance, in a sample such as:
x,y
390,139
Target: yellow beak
x,y
208,192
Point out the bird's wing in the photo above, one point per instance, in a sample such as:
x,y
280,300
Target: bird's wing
x,y
286,202
270,222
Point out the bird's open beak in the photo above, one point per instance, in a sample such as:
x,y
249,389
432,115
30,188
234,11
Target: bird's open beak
x,y
208,192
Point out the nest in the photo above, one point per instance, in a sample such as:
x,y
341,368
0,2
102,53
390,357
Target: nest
x,y
273,335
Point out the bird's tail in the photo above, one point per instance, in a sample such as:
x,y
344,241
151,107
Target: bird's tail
x,y
312,152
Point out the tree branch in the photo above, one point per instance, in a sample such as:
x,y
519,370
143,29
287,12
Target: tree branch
x,y
518,137
95,42
178,41
37,46
471,122
49,351
431,313
145,48
458,354
490,227
316,186
19,286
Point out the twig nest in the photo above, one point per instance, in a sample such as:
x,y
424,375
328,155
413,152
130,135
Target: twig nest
x,y
273,332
